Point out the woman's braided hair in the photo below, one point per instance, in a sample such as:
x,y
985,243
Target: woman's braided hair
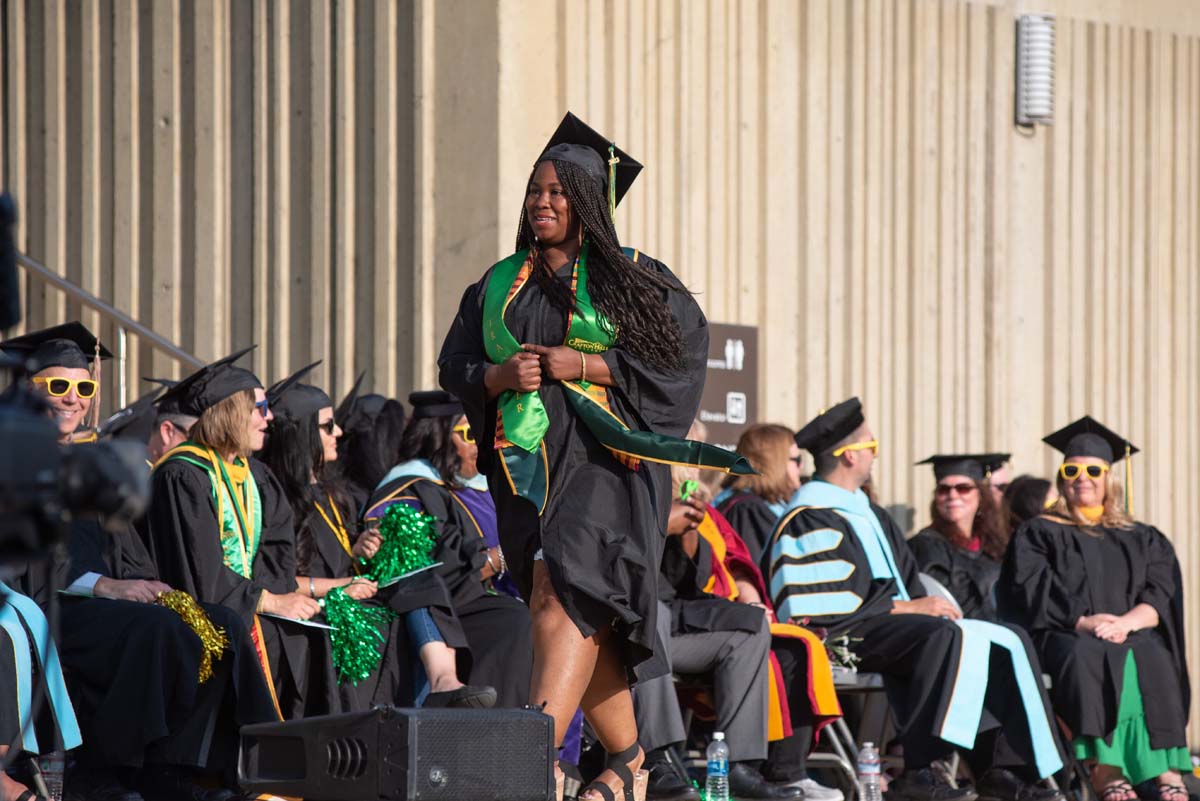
x,y
628,294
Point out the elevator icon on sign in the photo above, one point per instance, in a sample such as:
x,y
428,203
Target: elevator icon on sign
x,y
735,408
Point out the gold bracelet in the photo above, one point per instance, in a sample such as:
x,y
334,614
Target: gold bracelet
x,y
582,366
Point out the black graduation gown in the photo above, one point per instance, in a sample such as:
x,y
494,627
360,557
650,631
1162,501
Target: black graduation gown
x,y
497,628
692,609
1056,572
182,524
392,681
602,531
918,655
970,576
752,518
133,667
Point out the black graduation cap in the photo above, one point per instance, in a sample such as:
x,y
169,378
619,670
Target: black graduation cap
x,y
830,427
1087,437
345,413
580,144
162,382
291,399
135,421
434,403
976,466
67,345
208,386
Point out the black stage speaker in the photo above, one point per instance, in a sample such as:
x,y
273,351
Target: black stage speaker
x,y
404,754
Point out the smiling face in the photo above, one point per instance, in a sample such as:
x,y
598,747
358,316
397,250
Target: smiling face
x,y
258,421
68,411
547,209
1085,490
957,499
329,432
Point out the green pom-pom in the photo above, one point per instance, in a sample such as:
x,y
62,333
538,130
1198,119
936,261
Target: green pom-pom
x,y
408,539
357,635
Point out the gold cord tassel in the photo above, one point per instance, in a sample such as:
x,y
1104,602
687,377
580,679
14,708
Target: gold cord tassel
x,y
212,638
1128,481
612,180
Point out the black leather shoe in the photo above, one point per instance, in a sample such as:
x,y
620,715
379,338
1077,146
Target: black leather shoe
x,y
465,697
999,784
925,784
665,782
745,782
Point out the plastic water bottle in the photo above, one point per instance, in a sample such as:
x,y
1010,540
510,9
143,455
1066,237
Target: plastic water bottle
x,y
716,782
868,772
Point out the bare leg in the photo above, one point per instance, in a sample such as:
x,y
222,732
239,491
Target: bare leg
x,y
563,659
440,666
608,706
1111,784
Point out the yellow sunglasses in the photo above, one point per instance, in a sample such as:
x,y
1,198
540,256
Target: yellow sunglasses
x,y
871,445
1071,472
464,431
58,387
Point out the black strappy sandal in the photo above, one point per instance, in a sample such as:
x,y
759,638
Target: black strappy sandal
x,y
1172,792
1118,791
619,764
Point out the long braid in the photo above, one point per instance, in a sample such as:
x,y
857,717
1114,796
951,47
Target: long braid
x,y
618,285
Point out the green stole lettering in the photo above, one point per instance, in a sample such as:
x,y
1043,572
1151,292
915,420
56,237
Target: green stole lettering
x,y
523,417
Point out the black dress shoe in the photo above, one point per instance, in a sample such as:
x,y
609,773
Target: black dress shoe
x,y
745,782
465,697
665,782
999,784
925,784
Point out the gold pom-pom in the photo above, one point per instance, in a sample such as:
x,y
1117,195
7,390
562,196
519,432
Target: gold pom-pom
x,y
213,641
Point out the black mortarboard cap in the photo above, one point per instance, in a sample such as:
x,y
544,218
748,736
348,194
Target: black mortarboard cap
x,y
578,143
162,382
1087,437
293,400
345,413
830,427
66,345
135,421
208,386
976,466
434,403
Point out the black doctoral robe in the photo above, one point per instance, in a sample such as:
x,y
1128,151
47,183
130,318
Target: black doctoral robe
x,y
820,576
1056,572
601,533
752,518
133,667
970,576
692,609
497,628
182,525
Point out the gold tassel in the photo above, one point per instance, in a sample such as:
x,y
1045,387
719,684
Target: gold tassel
x,y
212,638
612,180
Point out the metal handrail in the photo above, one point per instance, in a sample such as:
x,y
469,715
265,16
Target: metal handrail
x,y
123,321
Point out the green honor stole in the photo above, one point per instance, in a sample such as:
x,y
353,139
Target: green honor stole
x,y
521,418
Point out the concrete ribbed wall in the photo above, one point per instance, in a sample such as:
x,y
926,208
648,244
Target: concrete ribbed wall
x,y
324,178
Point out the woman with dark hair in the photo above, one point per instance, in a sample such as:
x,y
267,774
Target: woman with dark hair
x,y
1102,596
753,504
580,364
434,477
372,427
302,443
1026,497
964,544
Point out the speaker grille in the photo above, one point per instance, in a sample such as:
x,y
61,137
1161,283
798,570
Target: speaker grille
x,y
493,757
346,758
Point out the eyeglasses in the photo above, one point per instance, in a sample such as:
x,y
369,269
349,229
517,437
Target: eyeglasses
x,y
944,490
797,459
264,408
1001,488
1071,472
871,445
328,426
58,387
464,431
